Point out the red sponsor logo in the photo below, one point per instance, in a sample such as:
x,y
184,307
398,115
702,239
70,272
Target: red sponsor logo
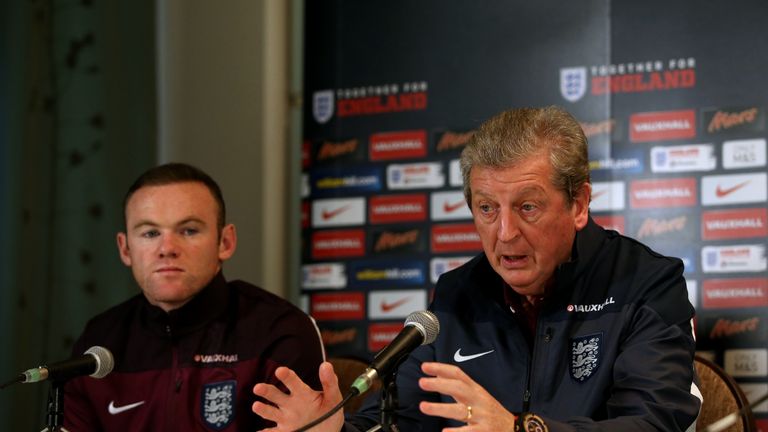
x,y
379,335
455,238
452,207
304,214
338,243
371,105
397,208
743,223
389,306
305,154
611,222
398,145
679,192
338,306
735,293
724,328
640,82
659,126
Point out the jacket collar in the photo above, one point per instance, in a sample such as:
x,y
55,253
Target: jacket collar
x,y
208,304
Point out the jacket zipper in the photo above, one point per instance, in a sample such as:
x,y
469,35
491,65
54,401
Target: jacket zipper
x,y
532,362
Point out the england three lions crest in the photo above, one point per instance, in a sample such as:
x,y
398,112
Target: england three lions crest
x,y
585,356
573,83
322,105
217,404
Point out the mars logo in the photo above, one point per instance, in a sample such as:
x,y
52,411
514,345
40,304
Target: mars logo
x,y
726,328
450,140
573,83
734,119
661,227
322,106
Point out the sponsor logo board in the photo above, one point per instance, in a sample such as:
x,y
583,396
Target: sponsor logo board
x,y
662,126
381,334
693,157
335,212
452,141
395,304
742,363
607,196
454,174
733,120
397,208
449,205
397,241
378,99
387,273
338,306
733,259
627,162
338,244
348,150
323,275
331,181
653,193
734,293
749,153
663,227
455,238
742,330
729,224
611,222
438,266
415,176
398,145
734,189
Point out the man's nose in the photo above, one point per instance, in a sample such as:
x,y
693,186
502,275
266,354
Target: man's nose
x,y
168,246
509,228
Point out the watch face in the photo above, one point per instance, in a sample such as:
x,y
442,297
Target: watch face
x,y
534,423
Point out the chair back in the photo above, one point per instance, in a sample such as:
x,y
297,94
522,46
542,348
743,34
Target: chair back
x,y
722,396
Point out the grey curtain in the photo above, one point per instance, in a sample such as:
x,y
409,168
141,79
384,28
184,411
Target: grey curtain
x,y
77,124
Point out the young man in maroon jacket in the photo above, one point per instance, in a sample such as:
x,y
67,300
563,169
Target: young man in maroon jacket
x,y
189,348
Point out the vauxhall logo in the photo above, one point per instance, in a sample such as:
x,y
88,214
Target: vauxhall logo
x,y
590,307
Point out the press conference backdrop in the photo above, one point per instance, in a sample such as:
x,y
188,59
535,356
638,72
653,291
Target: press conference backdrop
x,y
672,96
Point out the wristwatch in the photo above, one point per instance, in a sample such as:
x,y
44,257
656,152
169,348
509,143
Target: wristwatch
x,y
530,422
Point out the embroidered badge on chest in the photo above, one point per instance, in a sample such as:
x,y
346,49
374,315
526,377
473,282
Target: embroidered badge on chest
x,y
218,404
585,356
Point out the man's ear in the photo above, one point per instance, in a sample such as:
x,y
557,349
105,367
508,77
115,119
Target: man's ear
x,y
123,249
228,242
580,206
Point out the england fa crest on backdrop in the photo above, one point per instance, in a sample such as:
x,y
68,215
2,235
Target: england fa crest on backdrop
x,y
573,83
322,105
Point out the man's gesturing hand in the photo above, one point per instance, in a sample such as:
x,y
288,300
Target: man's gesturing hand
x,y
474,405
302,404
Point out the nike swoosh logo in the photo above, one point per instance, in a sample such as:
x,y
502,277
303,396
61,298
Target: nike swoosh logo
x,y
458,358
450,208
598,194
386,307
117,410
723,192
329,214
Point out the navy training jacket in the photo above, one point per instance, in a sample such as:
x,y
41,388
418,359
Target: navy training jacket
x,y
613,349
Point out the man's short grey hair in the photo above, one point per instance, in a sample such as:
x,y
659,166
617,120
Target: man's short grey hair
x,y
517,134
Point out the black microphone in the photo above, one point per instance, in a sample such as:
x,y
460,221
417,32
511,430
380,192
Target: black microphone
x,y
96,361
421,328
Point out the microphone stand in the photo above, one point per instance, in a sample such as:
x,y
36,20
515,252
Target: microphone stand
x,y
55,416
389,403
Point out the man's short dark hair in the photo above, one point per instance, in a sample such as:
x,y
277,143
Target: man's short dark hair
x,y
174,172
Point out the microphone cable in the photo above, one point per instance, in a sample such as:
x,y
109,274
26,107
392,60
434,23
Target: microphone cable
x,y
352,393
